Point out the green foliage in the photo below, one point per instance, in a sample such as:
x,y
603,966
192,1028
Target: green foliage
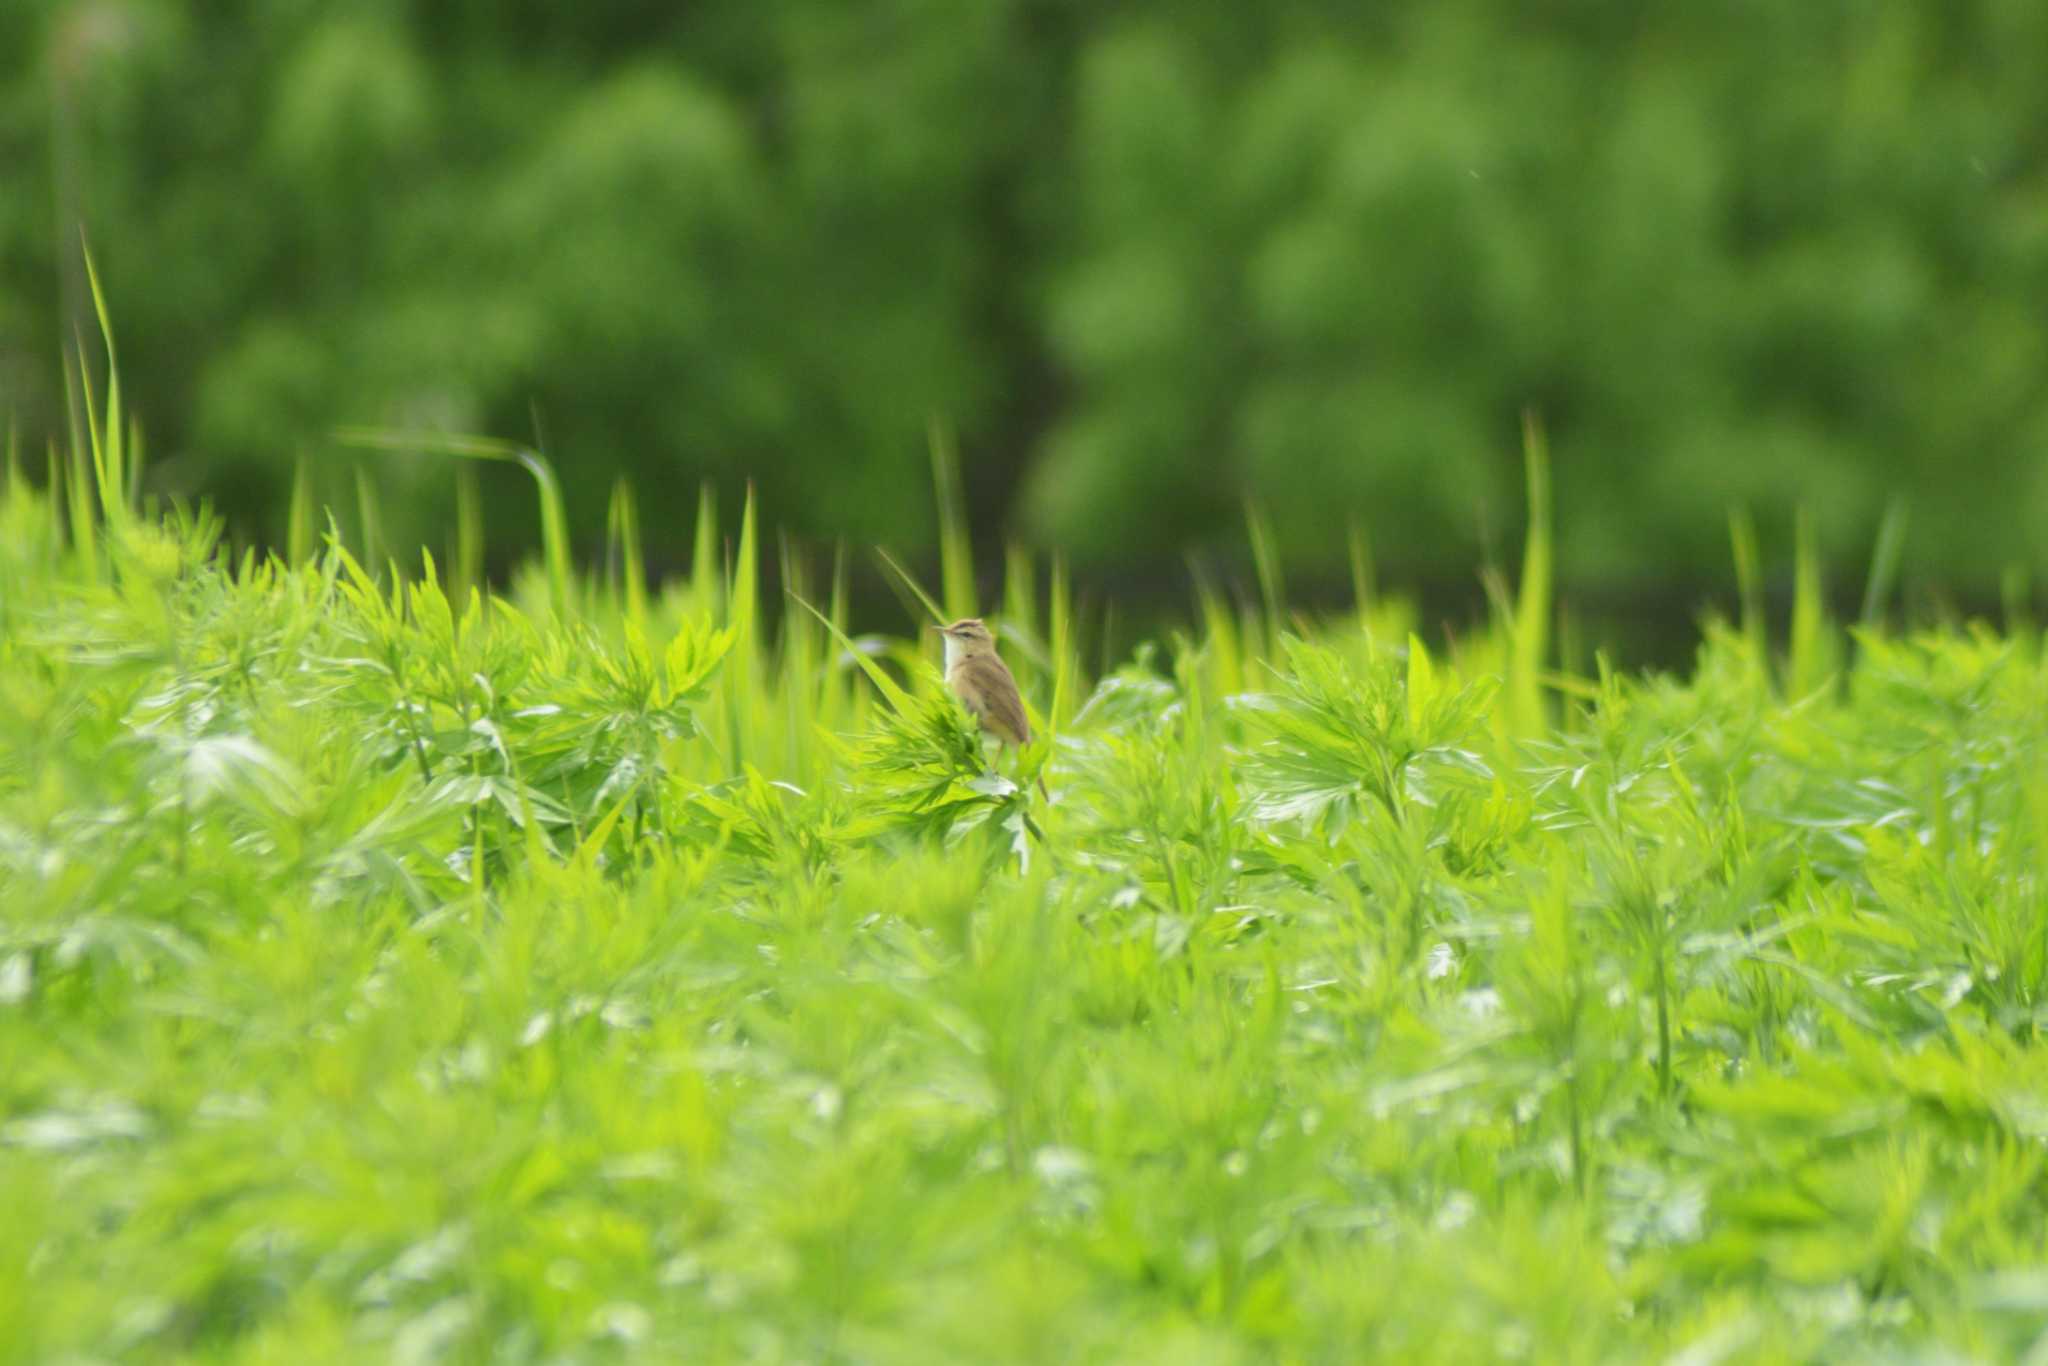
x,y
1143,263
385,973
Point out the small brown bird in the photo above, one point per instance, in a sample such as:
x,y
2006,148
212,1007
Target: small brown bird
x,y
982,682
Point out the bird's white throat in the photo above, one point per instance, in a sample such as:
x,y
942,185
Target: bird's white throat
x,y
954,649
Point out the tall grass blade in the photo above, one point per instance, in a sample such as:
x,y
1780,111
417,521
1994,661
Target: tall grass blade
x,y
1749,583
704,582
743,618
956,553
1810,659
1020,613
1221,645
797,664
79,478
1363,590
1884,564
1529,645
2016,602
109,455
898,700
370,519
466,565
1059,610
1272,588
554,517
298,531
832,698
1020,588
1574,656
136,460
57,485
906,584
623,559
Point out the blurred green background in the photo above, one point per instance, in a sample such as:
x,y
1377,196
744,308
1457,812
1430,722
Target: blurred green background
x,y
1146,259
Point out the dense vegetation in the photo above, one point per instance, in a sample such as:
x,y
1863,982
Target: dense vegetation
x,y
584,974
1146,260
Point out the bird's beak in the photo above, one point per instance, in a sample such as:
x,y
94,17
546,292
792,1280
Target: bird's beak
x,y
940,629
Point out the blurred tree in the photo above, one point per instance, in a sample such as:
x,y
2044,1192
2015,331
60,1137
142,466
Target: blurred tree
x,y
1147,260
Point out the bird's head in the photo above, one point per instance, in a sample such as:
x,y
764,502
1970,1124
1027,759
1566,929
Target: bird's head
x,y
968,636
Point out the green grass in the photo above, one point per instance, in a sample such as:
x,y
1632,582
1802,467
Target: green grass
x,y
588,975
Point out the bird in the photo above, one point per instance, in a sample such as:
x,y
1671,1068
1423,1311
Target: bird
x,y
982,682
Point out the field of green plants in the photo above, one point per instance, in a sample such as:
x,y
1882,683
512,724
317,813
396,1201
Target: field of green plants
x,y
389,972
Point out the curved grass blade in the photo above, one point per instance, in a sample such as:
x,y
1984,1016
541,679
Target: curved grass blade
x,y
898,699
554,518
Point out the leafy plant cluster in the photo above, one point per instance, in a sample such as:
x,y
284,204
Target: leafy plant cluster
x,y
582,974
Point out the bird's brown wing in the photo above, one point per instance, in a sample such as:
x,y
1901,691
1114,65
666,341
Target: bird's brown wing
x,y
1001,710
